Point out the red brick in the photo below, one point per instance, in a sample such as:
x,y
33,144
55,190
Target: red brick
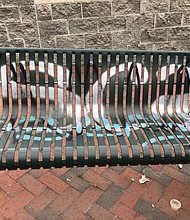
x,y
75,215
82,204
37,173
174,191
125,213
88,198
132,195
96,179
185,203
10,186
59,171
174,166
137,187
182,214
15,174
117,179
99,170
31,184
10,208
157,167
21,215
187,191
54,182
14,189
4,198
2,218
41,201
98,212
65,200
133,174
2,172
6,181
177,175
118,169
75,181
164,205
154,192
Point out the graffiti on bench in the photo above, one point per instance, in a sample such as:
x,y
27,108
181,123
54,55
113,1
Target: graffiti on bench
x,y
135,124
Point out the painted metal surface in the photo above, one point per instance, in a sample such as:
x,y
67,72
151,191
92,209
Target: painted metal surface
x,y
91,107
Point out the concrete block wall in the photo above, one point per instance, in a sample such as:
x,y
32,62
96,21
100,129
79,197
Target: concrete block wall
x,y
103,24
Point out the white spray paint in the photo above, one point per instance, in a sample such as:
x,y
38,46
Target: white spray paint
x,y
169,101
32,70
171,71
95,89
104,81
42,92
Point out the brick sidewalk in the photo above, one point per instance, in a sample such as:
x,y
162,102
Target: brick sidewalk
x,y
95,193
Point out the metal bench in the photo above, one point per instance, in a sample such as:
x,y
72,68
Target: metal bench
x,y
92,107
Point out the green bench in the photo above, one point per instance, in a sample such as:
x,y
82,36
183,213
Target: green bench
x,y
93,107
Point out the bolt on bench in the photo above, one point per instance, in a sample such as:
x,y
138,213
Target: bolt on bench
x,y
89,107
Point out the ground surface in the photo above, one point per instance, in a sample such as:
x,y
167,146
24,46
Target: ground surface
x,y
95,193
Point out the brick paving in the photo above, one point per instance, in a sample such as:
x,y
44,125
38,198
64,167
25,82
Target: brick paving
x,y
95,193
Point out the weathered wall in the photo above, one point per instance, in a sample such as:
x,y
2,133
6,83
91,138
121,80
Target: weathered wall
x,y
112,24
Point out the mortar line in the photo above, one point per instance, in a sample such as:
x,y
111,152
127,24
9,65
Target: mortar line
x,y
50,8
38,29
81,10
169,9
8,36
182,19
20,15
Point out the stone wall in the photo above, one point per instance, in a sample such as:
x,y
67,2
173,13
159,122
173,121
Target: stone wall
x,y
111,24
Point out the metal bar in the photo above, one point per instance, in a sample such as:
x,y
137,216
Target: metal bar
x,y
135,96
16,93
106,140
44,103
158,108
142,109
124,103
175,89
10,110
55,110
113,140
64,129
91,107
74,110
84,132
1,92
9,93
167,100
127,111
22,145
150,114
33,148
131,103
